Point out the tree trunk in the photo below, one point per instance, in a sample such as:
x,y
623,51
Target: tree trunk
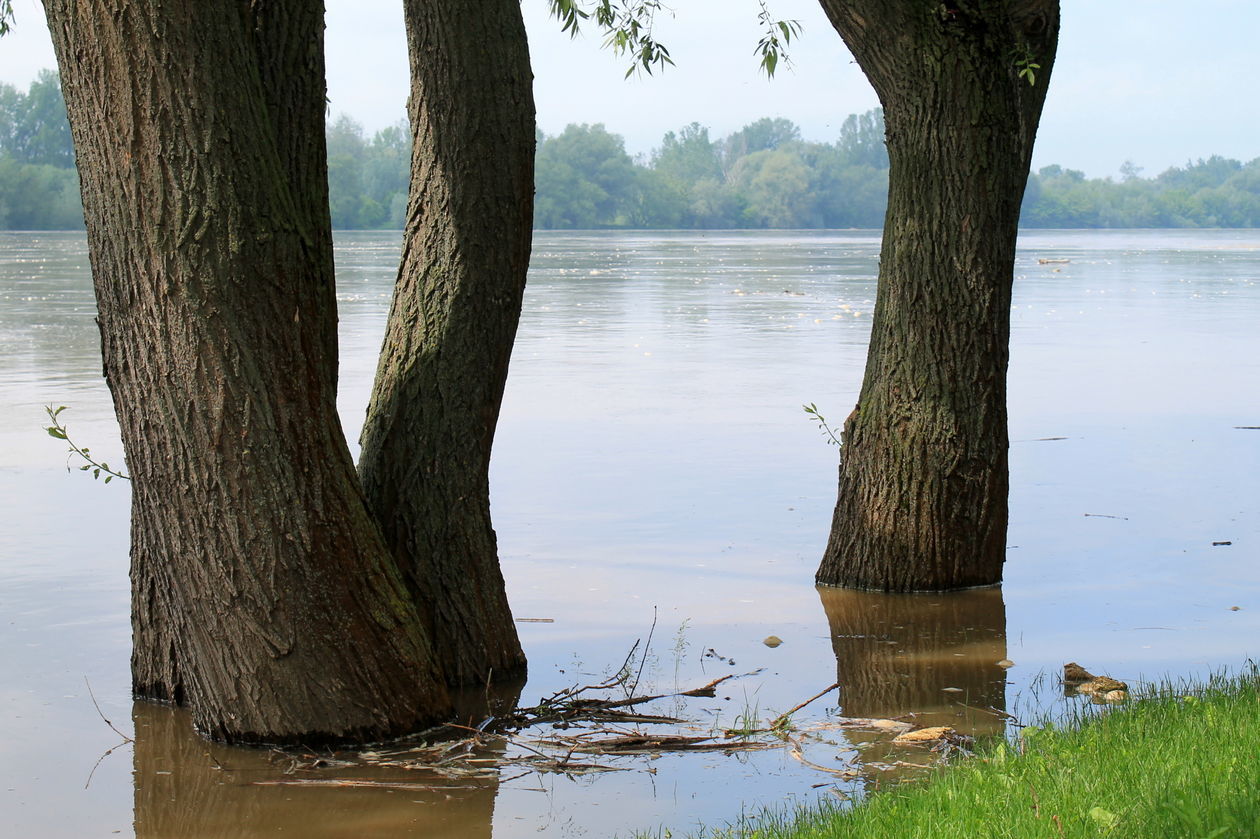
x,y
263,595
431,421
923,478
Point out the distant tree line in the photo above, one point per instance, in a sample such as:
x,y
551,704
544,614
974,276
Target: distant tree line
x,y
39,189
762,176
1217,192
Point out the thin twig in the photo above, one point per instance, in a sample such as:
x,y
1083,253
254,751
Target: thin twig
x,y
101,715
705,690
108,752
798,753
570,692
781,718
624,670
643,659
505,738
997,712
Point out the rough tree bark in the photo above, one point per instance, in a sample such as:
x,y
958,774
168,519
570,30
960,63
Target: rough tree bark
x,y
923,478
430,425
264,597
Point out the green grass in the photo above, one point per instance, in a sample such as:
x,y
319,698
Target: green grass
x,y
1180,763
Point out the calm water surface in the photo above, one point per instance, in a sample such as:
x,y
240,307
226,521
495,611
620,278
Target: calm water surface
x,y
653,463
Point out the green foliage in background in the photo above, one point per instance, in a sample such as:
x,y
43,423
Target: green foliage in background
x,y
761,176
1217,192
368,178
39,188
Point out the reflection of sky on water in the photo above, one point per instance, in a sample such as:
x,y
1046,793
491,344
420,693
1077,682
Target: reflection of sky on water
x,y
653,458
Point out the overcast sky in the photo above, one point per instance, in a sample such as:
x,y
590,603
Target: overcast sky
x,y
1156,82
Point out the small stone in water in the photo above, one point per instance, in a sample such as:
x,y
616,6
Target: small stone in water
x,y
952,690
772,641
1006,662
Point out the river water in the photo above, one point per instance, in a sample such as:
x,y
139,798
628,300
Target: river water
x,y
654,472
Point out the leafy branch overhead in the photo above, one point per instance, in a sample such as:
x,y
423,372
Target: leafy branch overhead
x,y
773,44
629,28
6,16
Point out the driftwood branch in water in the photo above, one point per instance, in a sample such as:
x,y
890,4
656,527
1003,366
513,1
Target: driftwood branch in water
x,y
783,718
581,725
562,707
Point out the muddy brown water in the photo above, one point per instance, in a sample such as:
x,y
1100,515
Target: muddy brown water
x,y
654,465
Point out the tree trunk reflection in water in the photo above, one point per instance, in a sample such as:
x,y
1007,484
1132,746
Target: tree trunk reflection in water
x,y
188,788
897,653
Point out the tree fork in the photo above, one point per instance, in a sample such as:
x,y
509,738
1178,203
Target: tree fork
x,y
263,596
923,480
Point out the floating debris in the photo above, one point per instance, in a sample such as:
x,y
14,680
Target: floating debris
x,y
714,654
1079,680
1074,674
1101,685
934,736
798,753
866,723
351,782
647,744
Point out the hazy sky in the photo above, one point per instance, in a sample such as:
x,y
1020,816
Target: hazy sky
x,y
1156,82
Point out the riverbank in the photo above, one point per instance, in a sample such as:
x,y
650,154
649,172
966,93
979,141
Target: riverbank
x,y
1180,762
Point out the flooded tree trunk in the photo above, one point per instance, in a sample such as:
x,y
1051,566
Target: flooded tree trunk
x,y
923,480
186,788
457,301
264,597
932,655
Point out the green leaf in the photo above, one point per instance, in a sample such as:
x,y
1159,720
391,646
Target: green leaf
x,y
109,478
56,432
1105,819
